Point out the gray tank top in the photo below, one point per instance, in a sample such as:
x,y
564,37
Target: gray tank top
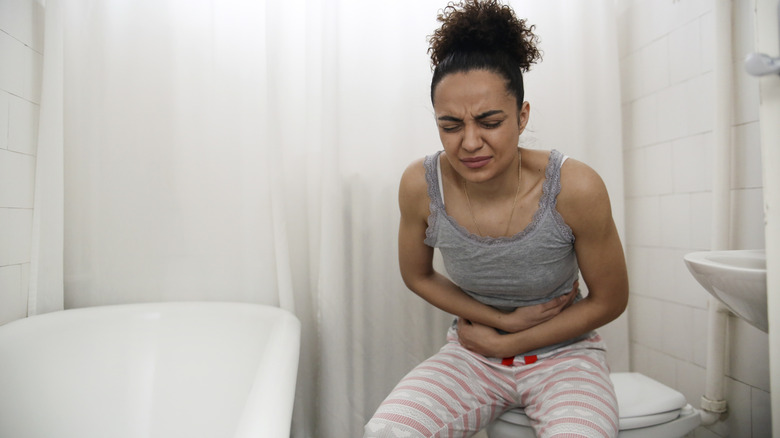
x,y
531,267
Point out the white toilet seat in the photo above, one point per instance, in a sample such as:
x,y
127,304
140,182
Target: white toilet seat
x,y
648,409
643,402
647,420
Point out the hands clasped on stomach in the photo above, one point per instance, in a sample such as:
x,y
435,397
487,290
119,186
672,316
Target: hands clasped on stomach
x,y
489,342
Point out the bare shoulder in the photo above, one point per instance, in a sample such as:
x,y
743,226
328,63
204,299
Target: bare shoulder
x,y
413,190
583,197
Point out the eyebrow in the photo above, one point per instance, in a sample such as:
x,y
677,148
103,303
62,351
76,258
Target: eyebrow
x,y
484,115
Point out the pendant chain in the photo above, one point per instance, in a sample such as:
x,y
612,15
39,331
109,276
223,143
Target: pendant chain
x,y
514,204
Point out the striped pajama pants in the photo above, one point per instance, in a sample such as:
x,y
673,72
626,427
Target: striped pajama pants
x,y
455,393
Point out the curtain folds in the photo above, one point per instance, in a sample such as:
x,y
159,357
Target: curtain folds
x,y
250,151
46,290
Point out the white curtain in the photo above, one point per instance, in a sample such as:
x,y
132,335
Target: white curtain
x,y
250,151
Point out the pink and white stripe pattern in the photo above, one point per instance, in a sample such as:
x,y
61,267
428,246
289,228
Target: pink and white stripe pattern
x,y
455,393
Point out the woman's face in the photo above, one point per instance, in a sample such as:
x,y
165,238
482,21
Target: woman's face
x,y
479,123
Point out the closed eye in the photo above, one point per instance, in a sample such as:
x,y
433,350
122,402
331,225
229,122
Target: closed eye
x,y
449,128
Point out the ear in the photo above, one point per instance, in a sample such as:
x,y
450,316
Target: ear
x,y
523,115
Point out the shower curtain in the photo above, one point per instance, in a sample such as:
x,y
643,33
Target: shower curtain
x,y
242,150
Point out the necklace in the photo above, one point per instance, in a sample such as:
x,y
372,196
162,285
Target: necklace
x,y
517,192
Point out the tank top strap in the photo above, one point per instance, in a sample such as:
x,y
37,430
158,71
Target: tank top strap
x,y
433,180
550,190
436,203
552,182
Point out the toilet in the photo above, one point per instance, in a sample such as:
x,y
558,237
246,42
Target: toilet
x,y
648,409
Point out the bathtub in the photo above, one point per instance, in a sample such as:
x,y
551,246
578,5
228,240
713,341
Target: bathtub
x,y
150,370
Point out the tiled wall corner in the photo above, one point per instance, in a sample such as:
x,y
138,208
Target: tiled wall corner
x,y
21,61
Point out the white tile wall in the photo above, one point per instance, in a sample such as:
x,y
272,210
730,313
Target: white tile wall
x,y
22,19
20,68
658,168
676,220
654,364
17,172
744,33
4,119
746,106
651,68
644,120
701,226
747,227
692,164
704,433
746,157
21,45
748,364
667,51
685,57
643,221
690,380
739,421
707,41
699,98
15,235
644,314
760,408
22,125
677,331
672,114
700,322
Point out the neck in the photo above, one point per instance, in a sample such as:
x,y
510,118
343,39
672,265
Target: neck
x,y
514,202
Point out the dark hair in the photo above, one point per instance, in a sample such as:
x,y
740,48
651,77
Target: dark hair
x,y
483,35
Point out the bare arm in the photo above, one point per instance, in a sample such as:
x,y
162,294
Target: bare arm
x,y
584,204
416,263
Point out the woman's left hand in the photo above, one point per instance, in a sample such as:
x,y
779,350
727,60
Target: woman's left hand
x,y
482,339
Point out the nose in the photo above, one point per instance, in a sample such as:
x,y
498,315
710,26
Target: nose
x,y
472,140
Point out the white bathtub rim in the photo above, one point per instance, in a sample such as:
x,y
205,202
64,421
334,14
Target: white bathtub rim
x,y
285,334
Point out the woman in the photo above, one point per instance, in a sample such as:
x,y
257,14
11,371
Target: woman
x,y
515,228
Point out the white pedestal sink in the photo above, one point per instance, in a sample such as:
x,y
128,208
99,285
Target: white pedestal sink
x,y
736,278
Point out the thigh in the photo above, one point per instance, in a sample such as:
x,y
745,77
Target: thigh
x,y
455,393
572,393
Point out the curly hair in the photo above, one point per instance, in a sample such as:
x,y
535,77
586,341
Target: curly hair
x,y
483,34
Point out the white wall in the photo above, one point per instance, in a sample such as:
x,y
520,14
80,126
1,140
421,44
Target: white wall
x,y
666,50
21,48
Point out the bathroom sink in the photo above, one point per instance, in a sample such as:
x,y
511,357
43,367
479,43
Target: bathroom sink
x,y
737,278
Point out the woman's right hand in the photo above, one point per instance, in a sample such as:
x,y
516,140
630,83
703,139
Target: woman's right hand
x,y
524,318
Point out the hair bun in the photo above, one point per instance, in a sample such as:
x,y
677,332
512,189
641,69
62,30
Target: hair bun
x,y
483,26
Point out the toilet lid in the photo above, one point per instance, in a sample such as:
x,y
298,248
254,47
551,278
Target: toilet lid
x,y
642,402
641,396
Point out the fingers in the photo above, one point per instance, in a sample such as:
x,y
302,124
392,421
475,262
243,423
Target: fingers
x,y
559,301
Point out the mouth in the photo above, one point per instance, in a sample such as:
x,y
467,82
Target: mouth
x,y
475,162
